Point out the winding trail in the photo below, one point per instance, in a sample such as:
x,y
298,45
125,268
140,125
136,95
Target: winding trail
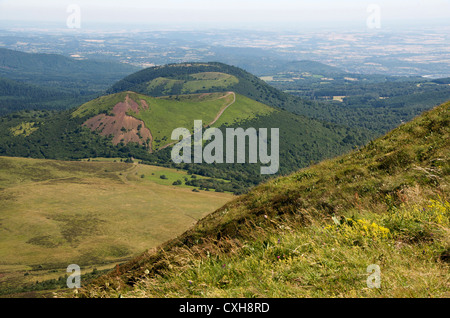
x,y
223,109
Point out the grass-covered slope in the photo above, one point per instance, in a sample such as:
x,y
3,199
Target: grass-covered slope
x,y
315,232
164,114
193,83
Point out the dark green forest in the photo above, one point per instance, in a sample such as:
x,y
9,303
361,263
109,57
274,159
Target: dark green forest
x,y
31,81
15,96
374,102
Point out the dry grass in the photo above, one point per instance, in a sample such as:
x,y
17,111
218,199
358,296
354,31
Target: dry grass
x,y
90,213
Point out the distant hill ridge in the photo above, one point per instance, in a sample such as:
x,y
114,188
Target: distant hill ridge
x,y
20,64
312,67
32,81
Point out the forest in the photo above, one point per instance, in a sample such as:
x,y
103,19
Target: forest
x,y
31,81
374,102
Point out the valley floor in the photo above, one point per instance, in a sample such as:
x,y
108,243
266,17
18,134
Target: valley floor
x,y
95,214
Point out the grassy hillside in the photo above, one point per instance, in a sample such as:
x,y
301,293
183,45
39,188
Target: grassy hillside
x,y
164,114
94,214
168,113
315,232
193,83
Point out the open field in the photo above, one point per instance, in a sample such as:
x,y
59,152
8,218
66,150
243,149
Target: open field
x,y
94,214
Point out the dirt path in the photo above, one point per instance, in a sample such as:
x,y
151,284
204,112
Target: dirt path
x,y
223,109
127,172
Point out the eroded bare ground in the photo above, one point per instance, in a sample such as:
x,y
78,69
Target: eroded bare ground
x,y
122,127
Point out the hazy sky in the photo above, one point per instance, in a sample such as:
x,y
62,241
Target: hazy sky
x,y
227,13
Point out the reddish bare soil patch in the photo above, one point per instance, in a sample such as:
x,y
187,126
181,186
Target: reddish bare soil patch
x,y
122,127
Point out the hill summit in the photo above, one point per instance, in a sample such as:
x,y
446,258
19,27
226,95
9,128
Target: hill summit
x,y
318,231
193,78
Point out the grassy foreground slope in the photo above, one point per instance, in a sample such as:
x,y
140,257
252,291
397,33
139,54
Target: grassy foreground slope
x,y
315,232
56,213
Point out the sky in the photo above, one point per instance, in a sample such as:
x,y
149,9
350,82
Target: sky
x,y
226,13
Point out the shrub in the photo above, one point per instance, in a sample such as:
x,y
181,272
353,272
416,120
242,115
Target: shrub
x,y
418,223
356,232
